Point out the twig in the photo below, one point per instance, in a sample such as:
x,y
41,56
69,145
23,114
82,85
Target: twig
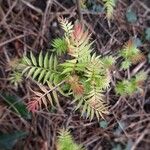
x,y
129,104
79,10
126,134
144,6
113,107
128,72
52,89
9,11
10,40
137,68
32,7
6,55
109,33
60,5
85,12
139,139
44,20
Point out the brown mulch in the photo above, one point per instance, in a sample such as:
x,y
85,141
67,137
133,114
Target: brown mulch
x,y
30,26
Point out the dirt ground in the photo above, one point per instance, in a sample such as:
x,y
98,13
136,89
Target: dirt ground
x,y
30,25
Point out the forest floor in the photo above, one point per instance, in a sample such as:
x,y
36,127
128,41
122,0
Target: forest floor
x,y
30,26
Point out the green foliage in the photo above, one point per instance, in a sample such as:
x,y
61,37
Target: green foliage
x,y
126,64
66,26
94,6
141,76
126,87
44,68
98,79
129,87
103,124
60,46
16,78
87,75
93,104
131,16
109,5
108,61
65,141
138,42
131,54
7,141
82,4
147,34
97,8
15,104
129,50
82,75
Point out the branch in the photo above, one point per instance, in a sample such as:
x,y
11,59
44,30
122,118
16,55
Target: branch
x,y
79,10
32,7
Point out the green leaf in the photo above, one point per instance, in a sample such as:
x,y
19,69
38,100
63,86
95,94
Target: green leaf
x,y
52,77
97,8
103,124
79,104
109,5
33,59
41,59
131,16
67,70
16,104
51,62
26,69
47,75
54,93
140,76
120,88
37,72
46,61
138,42
108,61
65,141
55,63
147,34
7,141
125,64
60,46
27,60
41,75
31,72
92,114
